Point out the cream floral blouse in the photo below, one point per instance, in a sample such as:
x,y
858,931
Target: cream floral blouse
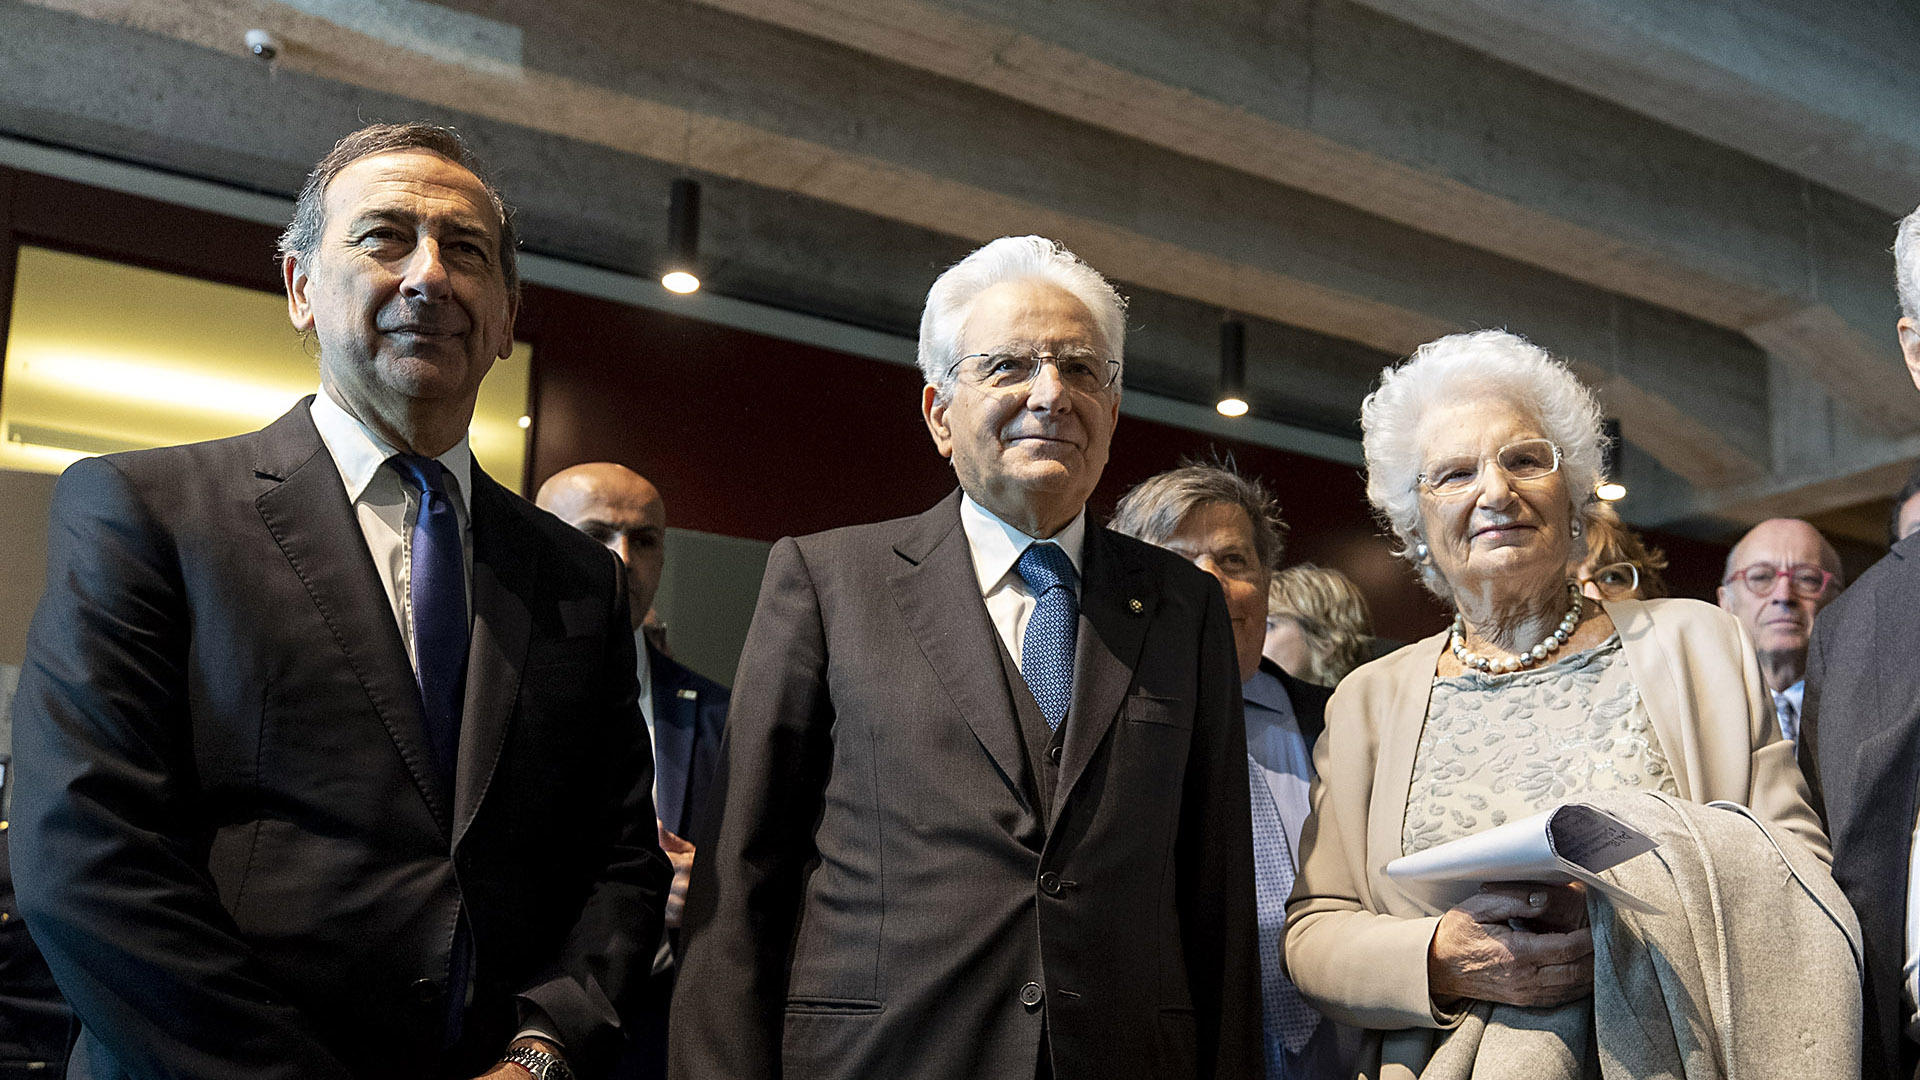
x,y
1497,748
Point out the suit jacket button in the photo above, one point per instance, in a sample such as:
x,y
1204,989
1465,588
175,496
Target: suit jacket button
x,y
1049,884
426,991
1031,994
1053,754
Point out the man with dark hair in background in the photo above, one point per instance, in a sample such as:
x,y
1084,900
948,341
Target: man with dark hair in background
x,y
331,763
686,712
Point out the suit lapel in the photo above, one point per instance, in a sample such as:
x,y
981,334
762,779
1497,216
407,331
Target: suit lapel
x,y
1112,633
673,723
504,570
939,598
308,515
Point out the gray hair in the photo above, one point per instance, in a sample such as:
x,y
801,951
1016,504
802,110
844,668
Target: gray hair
x,y
302,236
1906,265
1484,363
1011,258
1156,506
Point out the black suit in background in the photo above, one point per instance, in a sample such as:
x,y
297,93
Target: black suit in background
x,y
228,838
1309,702
1860,748
892,894
34,1018
689,717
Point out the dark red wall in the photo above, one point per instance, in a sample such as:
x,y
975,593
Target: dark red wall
x,y
748,436
756,437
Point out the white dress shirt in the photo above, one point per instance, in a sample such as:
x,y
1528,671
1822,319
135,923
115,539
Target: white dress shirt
x,y
996,547
385,504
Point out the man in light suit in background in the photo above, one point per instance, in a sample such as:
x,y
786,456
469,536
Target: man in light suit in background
x,y
331,766
1229,525
984,800
1860,749
685,711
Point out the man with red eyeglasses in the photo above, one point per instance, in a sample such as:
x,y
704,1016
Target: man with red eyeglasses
x,y
1778,577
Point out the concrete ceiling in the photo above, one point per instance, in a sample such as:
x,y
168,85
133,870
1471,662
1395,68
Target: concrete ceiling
x,y
1692,201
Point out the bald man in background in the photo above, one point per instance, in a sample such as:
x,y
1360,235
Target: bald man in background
x,y
1777,579
685,711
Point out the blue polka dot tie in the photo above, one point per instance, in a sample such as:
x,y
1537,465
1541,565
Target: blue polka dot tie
x,y
1046,652
1287,1021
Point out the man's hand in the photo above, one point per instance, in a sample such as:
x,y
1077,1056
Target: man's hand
x,y
1516,943
680,854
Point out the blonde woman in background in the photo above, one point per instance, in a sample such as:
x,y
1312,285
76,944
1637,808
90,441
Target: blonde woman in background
x,y
1619,565
1318,625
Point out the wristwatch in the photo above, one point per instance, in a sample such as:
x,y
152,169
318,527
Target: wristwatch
x,y
542,1065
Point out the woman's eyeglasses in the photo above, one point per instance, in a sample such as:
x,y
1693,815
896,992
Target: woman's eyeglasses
x,y
1528,459
1615,581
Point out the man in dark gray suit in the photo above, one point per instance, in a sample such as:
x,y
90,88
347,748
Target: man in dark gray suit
x,y
984,800
1860,749
330,760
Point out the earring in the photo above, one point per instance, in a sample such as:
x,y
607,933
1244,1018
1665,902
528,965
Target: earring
x,y
1577,529
1420,552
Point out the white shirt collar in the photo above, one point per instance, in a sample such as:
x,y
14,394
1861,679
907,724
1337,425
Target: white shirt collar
x,y
997,545
1796,693
358,453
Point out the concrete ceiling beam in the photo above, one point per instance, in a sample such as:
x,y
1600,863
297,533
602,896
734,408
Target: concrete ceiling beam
x,y
752,102
1759,76
1332,99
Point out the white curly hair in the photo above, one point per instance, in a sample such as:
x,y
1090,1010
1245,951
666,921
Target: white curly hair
x,y
1906,265
1011,258
1483,363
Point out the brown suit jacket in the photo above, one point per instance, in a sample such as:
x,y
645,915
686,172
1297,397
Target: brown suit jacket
x,y
1357,946
883,898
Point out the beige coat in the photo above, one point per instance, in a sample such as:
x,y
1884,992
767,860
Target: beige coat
x,y
1357,946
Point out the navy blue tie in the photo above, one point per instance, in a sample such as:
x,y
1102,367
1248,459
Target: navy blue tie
x,y
437,611
437,607
1046,652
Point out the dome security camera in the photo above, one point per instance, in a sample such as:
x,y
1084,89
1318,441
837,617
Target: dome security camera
x,y
262,44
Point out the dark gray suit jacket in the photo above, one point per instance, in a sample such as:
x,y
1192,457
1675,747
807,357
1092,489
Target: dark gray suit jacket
x,y
1860,748
883,898
227,837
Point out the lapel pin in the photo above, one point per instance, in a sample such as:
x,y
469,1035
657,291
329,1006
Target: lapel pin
x,y
1136,606
690,695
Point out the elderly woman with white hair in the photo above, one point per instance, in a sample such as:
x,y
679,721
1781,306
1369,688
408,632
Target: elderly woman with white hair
x,y
1482,456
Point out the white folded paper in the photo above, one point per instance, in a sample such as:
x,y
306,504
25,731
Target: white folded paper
x,y
1572,842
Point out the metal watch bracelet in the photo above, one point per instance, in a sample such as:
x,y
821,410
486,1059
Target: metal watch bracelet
x,y
542,1065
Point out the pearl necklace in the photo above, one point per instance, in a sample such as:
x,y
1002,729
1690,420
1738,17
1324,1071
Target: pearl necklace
x,y
1527,658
